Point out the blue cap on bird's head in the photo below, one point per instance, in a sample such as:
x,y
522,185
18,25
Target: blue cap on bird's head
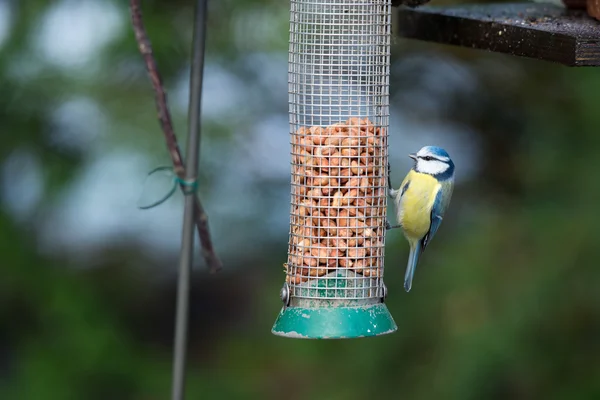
x,y
435,151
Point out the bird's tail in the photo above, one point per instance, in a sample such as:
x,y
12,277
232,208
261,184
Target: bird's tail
x,y
413,259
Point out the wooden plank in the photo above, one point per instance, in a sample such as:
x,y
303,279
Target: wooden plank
x,y
534,30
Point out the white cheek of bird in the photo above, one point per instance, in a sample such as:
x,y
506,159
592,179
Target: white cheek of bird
x,y
432,167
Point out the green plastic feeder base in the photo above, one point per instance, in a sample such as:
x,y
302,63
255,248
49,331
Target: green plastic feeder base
x,y
334,322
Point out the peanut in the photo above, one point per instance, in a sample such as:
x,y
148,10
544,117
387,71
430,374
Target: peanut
x,y
338,197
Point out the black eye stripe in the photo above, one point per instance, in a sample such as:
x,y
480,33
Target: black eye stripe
x,y
430,158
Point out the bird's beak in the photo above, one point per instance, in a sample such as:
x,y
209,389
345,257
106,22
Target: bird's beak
x,y
413,156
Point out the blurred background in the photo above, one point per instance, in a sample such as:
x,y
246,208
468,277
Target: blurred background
x,y
506,302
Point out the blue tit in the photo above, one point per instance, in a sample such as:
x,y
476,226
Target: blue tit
x,y
421,201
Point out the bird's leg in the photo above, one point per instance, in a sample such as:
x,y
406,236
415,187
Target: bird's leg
x,y
388,173
389,226
391,191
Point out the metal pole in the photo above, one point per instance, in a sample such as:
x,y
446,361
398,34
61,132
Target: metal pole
x,y
191,168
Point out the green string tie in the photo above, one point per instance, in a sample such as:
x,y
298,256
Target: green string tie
x,y
188,187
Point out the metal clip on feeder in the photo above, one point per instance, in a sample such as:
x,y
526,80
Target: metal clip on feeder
x,y
339,66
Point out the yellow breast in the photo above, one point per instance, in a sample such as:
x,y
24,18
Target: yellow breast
x,y
414,211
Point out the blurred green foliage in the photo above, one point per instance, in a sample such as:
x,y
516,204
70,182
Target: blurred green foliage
x,y
505,303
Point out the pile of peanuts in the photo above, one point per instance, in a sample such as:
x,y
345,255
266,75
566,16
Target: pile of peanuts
x,y
338,200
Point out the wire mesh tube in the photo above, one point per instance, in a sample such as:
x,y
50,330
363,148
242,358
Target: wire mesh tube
x,y
339,59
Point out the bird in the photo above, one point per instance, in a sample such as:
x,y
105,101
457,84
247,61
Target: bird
x,y
421,201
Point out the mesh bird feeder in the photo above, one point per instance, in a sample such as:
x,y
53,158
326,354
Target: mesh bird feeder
x,y
339,58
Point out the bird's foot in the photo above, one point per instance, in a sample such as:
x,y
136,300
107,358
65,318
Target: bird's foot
x,y
389,226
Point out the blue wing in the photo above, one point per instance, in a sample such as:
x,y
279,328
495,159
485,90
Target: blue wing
x,y
436,219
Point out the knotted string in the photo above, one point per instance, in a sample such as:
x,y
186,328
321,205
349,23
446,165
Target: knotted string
x,y
188,186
